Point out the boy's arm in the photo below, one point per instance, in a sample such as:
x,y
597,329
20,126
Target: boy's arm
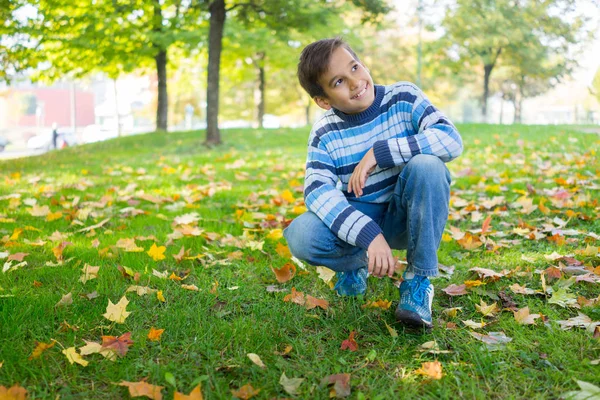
x,y
329,203
435,135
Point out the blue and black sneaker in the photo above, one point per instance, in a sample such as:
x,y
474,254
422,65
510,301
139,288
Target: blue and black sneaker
x,y
414,308
352,283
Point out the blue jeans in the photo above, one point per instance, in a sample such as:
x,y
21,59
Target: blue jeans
x,y
414,220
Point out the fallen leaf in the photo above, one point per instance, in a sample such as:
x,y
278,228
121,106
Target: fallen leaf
x,y
118,344
94,347
588,392
350,343
117,312
275,234
383,304
290,385
15,392
325,274
157,253
255,358
451,312
154,334
17,257
74,357
143,388
474,325
455,290
283,250
486,310
89,273
160,297
312,302
524,318
141,290
391,330
245,392
66,300
295,297
470,242
128,244
40,348
431,369
341,385
494,339
190,287
285,273
563,298
516,288
487,273
195,394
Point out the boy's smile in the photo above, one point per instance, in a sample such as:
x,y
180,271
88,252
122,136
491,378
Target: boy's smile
x,y
347,84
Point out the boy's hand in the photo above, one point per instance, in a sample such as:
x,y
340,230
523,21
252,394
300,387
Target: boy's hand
x,y
381,261
361,172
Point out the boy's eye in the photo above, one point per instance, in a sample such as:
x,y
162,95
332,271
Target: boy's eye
x,y
338,82
355,67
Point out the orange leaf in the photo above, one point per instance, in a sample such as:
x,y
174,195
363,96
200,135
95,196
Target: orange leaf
x,y
431,369
283,250
40,348
155,334
15,392
285,273
245,392
195,394
119,344
469,242
350,343
383,304
295,297
486,224
470,284
142,388
312,302
17,257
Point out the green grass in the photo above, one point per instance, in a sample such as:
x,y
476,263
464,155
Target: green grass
x,y
208,335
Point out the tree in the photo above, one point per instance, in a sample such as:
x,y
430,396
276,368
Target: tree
x,y
480,32
279,16
80,37
596,85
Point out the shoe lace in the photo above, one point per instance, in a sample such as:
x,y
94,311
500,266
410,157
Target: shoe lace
x,y
417,289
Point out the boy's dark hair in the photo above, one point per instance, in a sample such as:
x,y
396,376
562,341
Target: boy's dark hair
x,y
314,62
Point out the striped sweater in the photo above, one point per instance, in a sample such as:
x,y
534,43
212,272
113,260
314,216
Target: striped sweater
x,y
400,124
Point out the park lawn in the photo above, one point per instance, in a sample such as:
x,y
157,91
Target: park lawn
x,y
225,207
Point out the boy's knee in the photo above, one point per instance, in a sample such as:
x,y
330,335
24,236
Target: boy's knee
x,y
429,166
305,235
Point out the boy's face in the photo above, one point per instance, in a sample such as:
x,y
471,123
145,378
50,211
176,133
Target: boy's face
x,y
347,84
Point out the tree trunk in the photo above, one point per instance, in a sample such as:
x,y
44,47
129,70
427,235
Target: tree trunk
x,y
163,104
215,44
308,110
518,107
487,72
260,64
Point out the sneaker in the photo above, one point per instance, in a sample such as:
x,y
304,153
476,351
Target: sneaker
x,y
414,308
352,283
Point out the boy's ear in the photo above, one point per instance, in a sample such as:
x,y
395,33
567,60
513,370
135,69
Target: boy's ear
x,y
322,102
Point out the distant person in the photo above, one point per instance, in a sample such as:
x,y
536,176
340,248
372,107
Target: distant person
x,y
375,179
54,135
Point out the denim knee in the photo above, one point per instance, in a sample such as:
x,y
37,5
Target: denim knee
x,y
307,236
428,167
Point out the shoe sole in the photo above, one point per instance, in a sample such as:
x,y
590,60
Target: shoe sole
x,y
411,319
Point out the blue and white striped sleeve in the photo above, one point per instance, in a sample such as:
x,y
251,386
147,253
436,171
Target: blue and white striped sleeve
x,y
434,134
323,198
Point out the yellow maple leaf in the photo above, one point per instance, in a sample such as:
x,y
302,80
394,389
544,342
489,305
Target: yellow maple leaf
x,y
486,310
275,234
74,357
287,196
40,348
89,273
159,296
54,216
157,252
117,312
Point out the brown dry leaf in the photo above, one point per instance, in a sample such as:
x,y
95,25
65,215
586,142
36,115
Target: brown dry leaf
x,y
487,273
195,394
15,392
350,343
40,348
524,318
190,287
58,250
182,253
66,300
119,344
154,334
245,392
117,312
17,257
283,251
341,385
128,244
285,273
486,225
255,358
94,347
455,290
383,304
312,302
516,288
143,388
295,297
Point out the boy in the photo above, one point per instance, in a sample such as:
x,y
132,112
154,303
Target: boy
x,y
375,179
